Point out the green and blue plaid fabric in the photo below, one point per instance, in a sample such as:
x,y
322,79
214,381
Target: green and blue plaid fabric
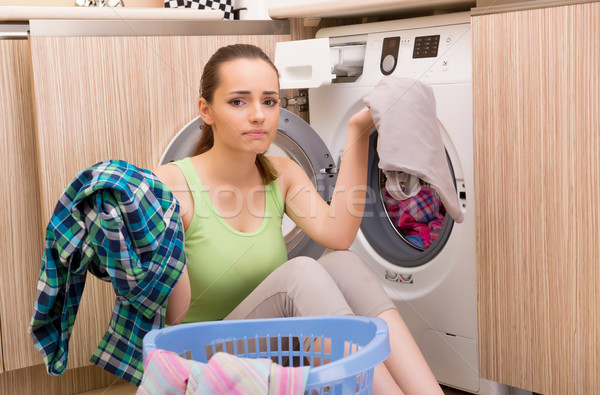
x,y
122,224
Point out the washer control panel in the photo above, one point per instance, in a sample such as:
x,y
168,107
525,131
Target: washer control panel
x,y
432,54
423,47
426,46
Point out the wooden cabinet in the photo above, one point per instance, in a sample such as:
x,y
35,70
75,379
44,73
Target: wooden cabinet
x,y
536,81
21,239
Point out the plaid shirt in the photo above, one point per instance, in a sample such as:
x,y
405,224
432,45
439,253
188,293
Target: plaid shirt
x,y
122,224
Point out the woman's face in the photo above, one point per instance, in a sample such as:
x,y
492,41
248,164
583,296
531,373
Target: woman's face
x,y
244,112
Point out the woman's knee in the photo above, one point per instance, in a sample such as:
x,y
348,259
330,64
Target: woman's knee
x,y
305,272
311,289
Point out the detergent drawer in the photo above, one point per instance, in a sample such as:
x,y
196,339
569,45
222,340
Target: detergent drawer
x,y
313,63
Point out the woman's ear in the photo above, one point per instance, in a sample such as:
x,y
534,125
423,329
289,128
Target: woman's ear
x,y
205,111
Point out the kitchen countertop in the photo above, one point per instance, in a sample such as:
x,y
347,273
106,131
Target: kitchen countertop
x,y
26,13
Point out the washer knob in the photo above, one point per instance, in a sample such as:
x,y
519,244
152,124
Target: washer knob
x,y
387,64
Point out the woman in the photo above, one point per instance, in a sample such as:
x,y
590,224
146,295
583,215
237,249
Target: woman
x,y
232,199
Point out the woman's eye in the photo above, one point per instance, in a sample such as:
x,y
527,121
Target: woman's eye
x,y
270,102
236,102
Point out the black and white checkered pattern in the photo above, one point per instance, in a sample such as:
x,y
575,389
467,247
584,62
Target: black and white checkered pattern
x,y
224,5
175,3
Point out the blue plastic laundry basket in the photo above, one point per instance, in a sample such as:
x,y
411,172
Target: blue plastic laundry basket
x,y
357,345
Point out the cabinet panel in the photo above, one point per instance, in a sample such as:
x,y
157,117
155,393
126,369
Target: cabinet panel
x,y
536,80
21,240
100,98
35,381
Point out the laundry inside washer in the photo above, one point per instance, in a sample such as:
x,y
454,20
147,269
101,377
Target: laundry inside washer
x,y
418,219
391,226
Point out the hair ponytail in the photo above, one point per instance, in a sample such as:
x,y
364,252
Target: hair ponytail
x,y
265,168
207,139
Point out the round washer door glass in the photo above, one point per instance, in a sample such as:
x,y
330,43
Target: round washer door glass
x,y
408,232
296,140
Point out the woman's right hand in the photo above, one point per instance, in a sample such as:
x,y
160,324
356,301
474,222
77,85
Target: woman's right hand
x,y
362,121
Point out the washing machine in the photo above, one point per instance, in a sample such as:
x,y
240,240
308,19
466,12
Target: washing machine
x,y
434,288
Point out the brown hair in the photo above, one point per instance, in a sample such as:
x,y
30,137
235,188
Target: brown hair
x,y
209,83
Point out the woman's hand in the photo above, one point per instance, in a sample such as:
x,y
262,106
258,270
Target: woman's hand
x,y
362,121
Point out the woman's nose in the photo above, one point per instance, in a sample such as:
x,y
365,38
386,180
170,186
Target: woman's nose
x,y
256,113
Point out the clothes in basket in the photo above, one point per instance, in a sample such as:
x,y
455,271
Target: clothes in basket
x,y
167,373
345,366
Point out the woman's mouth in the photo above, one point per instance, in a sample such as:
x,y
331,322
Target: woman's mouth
x,y
255,133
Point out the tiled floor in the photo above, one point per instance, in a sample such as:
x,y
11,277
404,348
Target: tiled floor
x,y
128,389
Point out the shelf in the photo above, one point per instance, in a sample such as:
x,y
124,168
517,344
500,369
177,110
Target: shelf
x,y
361,8
26,13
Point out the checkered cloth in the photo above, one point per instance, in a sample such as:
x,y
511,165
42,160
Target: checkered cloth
x,y
421,215
224,5
123,225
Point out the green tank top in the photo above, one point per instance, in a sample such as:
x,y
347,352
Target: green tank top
x,y
225,265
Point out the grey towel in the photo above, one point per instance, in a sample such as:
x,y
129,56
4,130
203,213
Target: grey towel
x,y
409,139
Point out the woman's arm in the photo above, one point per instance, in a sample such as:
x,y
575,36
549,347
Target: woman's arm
x,y
333,226
179,299
178,302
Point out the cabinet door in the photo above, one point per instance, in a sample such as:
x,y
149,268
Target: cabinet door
x,y
100,98
21,238
536,81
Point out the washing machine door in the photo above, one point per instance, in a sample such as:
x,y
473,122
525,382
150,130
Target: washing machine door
x,y
393,237
296,140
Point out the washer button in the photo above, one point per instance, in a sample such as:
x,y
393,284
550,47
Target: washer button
x,y
445,64
388,63
449,40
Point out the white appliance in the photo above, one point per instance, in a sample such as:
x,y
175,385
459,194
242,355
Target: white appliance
x,y
435,288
